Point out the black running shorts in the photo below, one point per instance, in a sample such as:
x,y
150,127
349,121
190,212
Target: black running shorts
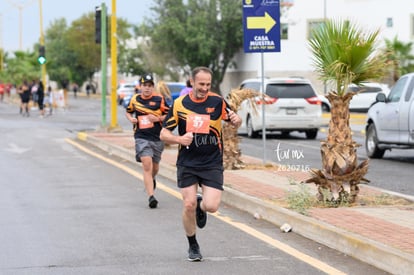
x,y
212,177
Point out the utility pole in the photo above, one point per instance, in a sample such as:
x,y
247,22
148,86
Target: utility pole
x,y
42,44
103,41
114,70
20,8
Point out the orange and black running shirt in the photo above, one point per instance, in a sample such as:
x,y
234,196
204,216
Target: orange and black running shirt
x,y
142,107
204,119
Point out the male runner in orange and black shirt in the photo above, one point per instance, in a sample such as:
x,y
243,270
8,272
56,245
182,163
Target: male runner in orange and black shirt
x,y
198,116
149,109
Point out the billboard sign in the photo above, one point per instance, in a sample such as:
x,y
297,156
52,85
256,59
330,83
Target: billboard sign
x,y
261,26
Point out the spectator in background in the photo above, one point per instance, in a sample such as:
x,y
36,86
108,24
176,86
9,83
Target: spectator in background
x,y
75,89
49,100
187,89
2,91
33,91
25,92
88,89
40,98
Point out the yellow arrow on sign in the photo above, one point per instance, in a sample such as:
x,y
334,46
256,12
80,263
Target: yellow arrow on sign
x,y
261,22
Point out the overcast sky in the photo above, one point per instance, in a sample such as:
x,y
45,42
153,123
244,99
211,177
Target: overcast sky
x,y
10,10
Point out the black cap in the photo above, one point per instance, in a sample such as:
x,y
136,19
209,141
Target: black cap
x,y
146,78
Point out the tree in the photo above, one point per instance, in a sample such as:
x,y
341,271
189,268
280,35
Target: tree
x,y
199,33
132,58
81,44
400,57
57,51
343,54
72,53
23,66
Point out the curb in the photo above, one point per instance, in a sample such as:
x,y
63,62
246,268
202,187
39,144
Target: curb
x,y
374,253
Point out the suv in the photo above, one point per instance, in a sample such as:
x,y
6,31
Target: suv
x,y
174,87
294,107
125,90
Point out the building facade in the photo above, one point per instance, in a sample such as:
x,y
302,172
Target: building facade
x,y
392,18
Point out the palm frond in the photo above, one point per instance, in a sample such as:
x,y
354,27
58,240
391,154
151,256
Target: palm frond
x,y
345,54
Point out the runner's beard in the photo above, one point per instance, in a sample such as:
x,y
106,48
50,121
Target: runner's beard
x,y
200,95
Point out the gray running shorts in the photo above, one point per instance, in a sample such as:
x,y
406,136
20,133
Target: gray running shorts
x,y
145,148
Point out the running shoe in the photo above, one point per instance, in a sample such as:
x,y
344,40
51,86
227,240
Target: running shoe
x,y
152,202
201,216
194,254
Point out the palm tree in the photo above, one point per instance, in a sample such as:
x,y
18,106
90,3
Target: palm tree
x,y
400,57
232,153
342,54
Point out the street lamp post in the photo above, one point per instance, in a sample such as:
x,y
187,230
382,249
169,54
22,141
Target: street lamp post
x,y
114,72
42,42
20,8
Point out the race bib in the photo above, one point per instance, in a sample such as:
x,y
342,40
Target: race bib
x,y
199,124
144,122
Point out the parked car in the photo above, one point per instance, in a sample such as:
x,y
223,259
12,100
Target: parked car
x,y
127,99
124,90
294,107
174,87
366,95
361,101
325,104
390,122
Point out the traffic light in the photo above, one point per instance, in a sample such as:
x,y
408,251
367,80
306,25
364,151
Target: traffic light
x,y
42,55
98,25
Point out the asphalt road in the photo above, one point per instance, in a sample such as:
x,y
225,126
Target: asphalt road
x,y
70,209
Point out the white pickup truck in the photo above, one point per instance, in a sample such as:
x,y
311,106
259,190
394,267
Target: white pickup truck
x,y
390,121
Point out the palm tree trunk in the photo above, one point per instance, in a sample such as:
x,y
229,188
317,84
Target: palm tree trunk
x,y
232,152
340,175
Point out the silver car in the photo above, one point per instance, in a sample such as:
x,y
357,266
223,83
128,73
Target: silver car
x,y
390,122
294,107
364,98
366,95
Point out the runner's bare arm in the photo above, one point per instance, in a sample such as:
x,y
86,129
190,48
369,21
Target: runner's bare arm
x,y
168,137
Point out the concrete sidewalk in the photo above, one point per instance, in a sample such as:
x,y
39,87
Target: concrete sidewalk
x,y
376,233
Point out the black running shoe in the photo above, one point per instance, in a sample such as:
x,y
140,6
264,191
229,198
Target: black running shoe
x,y
201,216
194,254
152,202
155,183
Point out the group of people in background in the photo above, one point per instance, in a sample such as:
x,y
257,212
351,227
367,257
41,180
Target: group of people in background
x,y
35,92
5,89
197,114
